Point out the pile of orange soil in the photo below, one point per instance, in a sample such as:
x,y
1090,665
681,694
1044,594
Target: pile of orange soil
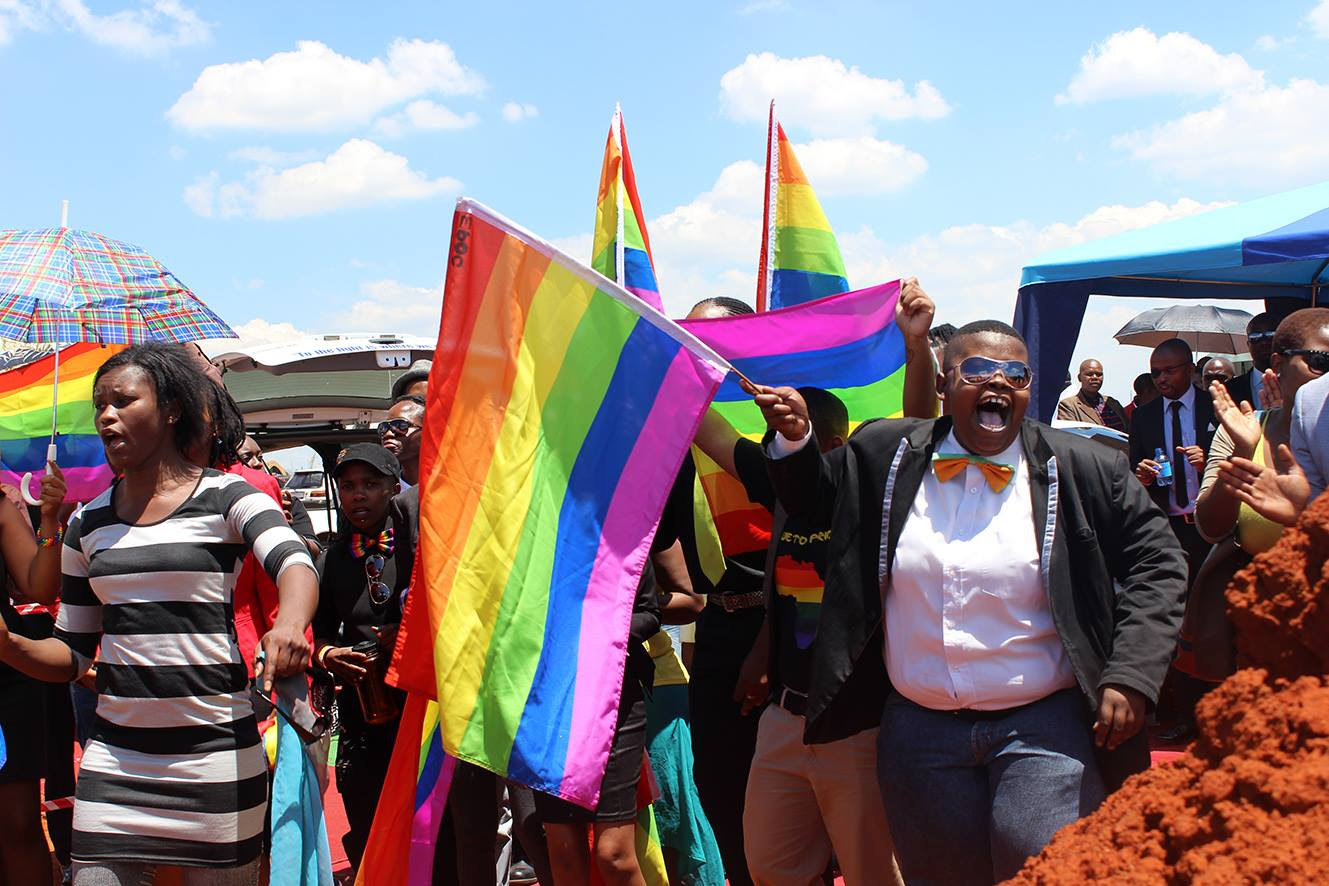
x,y
1249,801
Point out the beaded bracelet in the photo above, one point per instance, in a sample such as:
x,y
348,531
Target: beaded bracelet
x,y
49,541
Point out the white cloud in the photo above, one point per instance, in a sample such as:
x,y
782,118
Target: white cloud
x,y
1318,19
262,155
359,173
260,331
393,306
1270,137
315,88
1267,43
862,165
15,16
822,94
1138,62
423,115
515,112
153,29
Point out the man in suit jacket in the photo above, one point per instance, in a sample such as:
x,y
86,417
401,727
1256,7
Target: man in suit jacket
x,y
970,601
1260,343
1155,426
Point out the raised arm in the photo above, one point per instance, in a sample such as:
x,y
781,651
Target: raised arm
x,y
43,578
914,313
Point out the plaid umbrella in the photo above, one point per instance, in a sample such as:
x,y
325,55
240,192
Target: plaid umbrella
x,y
63,285
59,285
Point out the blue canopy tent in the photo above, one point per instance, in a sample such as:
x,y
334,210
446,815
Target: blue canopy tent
x,y
1272,248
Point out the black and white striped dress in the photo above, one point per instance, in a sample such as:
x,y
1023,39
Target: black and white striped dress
x,y
174,772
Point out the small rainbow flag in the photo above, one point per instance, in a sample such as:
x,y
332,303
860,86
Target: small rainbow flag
x,y
400,848
621,249
560,407
848,345
800,259
25,421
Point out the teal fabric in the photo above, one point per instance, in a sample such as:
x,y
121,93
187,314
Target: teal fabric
x,y
300,855
679,817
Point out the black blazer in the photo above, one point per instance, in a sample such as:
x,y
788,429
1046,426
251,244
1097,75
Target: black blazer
x,y
1147,435
1240,389
1094,525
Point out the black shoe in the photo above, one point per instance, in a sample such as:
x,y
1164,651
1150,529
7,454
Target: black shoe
x,y
1182,733
521,874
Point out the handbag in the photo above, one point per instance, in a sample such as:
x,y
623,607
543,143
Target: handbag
x,y
1206,623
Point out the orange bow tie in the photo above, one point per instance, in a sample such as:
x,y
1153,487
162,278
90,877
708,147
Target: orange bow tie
x,y
950,465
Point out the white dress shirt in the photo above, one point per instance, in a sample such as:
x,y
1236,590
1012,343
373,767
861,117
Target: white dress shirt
x,y
967,620
1179,462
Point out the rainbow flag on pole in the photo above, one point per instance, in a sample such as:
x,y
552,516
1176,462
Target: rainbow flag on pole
x,y
848,345
800,259
559,410
25,421
621,249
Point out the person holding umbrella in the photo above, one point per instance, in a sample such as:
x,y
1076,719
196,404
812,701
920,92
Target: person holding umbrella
x,y
174,776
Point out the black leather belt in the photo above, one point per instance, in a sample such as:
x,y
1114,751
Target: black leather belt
x,y
738,602
792,700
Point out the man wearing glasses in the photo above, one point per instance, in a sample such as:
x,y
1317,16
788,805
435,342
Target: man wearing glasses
x,y
1260,343
400,434
1181,423
970,600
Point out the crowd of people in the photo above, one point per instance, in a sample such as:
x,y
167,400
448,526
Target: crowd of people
x,y
954,636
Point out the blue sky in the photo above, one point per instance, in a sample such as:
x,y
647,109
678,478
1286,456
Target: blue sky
x,y
296,163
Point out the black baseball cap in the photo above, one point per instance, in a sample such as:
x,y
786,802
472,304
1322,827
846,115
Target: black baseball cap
x,y
371,454
419,371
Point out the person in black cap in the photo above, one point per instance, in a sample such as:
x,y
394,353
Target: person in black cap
x,y
413,381
362,577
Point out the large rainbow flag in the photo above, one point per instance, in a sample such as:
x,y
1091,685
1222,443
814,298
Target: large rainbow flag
x,y
847,344
621,248
25,421
560,407
800,259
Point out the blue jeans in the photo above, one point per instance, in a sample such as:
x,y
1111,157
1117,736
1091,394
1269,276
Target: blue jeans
x,y
968,802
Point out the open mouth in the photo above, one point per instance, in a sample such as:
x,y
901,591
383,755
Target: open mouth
x,y
993,413
111,440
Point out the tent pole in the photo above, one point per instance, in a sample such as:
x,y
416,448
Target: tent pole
x,y
1315,282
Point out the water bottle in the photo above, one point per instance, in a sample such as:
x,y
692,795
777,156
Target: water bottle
x,y
1164,477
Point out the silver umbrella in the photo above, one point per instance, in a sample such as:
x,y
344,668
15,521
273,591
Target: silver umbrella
x,y
1203,327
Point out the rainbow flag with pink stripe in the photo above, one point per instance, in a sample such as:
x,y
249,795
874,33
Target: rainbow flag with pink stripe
x,y
621,248
25,421
800,258
560,407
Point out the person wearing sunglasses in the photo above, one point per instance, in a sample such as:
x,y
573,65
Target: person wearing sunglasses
x,y
400,434
1000,592
1260,343
1300,356
1281,492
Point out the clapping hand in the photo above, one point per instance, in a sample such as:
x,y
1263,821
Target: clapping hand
x,y
1280,497
1240,422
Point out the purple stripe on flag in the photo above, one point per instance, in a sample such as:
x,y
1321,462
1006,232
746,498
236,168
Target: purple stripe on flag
x,y
605,614
829,322
83,484
425,823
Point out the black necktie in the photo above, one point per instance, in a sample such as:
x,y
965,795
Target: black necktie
x,y
1178,464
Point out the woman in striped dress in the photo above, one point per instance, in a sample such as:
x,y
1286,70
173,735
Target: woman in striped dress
x,y
174,776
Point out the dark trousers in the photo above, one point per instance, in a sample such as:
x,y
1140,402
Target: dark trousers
x,y
1182,691
59,765
969,801
467,847
723,739
363,754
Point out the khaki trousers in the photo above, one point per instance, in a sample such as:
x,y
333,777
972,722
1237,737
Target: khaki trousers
x,y
805,800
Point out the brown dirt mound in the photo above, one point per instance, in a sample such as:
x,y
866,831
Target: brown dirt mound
x,y
1249,802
